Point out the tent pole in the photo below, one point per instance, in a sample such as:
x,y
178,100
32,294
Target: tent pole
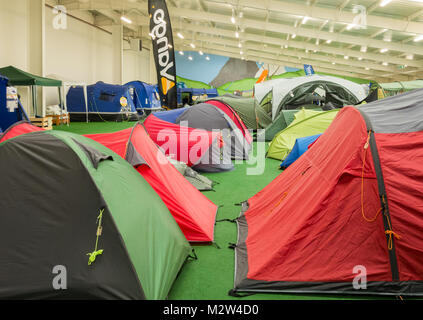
x,y
34,100
60,99
86,100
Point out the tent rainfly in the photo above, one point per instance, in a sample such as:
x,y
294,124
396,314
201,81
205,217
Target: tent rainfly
x,y
353,203
108,227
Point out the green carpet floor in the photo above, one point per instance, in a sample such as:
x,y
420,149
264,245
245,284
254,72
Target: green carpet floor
x,y
212,275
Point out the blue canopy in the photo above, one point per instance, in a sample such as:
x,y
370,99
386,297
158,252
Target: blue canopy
x,y
170,116
300,147
9,116
145,96
102,98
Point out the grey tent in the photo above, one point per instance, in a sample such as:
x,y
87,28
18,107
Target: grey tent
x,y
208,117
312,92
197,180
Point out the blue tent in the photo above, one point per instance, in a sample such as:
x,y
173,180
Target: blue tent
x,y
106,102
300,147
9,114
145,96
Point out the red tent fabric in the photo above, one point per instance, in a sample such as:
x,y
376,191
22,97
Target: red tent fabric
x,y
233,116
18,129
354,199
203,150
194,213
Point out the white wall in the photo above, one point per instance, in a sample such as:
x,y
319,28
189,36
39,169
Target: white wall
x,y
13,32
136,65
81,53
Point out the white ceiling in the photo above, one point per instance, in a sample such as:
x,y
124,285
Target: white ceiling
x,y
328,39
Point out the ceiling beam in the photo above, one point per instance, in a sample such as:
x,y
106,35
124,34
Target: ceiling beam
x,y
342,16
230,53
309,58
303,45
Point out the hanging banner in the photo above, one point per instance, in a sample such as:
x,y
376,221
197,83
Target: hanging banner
x,y
163,51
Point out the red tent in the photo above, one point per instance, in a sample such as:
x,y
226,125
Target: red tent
x,y
353,200
17,129
203,150
194,213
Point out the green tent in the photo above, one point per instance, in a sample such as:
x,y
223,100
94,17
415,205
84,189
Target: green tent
x,y
283,120
81,206
397,87
306,123
245,108
19,77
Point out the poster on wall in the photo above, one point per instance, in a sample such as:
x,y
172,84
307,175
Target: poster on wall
x,y
163,51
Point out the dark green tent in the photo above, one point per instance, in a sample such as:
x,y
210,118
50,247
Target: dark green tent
x,y
18,77
253,118
68,201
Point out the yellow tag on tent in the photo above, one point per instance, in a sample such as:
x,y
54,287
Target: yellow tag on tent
x,y
123,102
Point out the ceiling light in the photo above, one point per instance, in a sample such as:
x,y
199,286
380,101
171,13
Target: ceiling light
x,y
409,57
233,20
239,45
192,45
207,58
360,58
385,63
236,34
293,36
305,19
241,53
328,41
190,58
418,38
200,52
333,63
367,68
363,49
384,2
346,57
180,35
181,53
384,50
125,19
317,42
